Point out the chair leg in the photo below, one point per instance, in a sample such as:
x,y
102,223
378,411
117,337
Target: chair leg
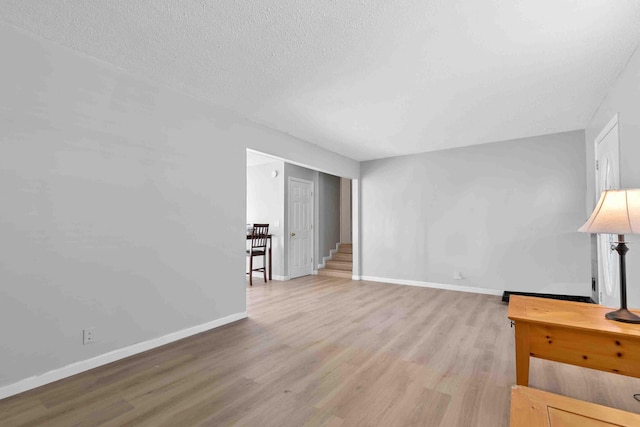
x,y
264,267
250,270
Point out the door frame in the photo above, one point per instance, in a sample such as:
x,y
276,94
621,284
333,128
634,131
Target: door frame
x,y
596,294
313,227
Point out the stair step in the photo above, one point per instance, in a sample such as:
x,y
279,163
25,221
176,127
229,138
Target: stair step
x,y
345,248
339,265
338,256
335,273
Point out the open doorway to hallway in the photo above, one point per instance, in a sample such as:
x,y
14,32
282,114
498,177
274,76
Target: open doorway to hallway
x,y
338,262
308,213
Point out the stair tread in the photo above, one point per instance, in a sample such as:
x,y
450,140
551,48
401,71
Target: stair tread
x,y
337,265
334,273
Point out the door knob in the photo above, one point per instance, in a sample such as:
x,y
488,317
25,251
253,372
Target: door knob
x,y
293,234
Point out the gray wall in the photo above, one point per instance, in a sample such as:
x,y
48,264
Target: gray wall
x,y
345,210
504,214
265,205
329,214
122,206
623,98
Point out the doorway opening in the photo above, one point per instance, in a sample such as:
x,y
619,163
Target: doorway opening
x,y
605,290
309,215
338,261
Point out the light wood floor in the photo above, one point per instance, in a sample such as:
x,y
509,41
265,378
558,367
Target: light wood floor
x,y
323,351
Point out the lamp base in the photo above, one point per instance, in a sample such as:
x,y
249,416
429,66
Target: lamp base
x,y
623,315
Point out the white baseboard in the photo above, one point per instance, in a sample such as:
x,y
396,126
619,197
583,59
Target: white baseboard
x,y
112,356
258,275
432,285
330,257
324,262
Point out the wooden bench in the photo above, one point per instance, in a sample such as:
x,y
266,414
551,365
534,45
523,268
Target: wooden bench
x,y
537,408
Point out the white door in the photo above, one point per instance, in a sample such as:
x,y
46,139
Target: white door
x,y
608,178
300,227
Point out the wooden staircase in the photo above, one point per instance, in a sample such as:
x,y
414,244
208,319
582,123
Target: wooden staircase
x,y
340,264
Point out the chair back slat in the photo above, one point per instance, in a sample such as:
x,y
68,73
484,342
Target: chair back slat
x,y
259,234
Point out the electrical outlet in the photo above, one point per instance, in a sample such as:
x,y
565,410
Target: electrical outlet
x,y
457,275
88,336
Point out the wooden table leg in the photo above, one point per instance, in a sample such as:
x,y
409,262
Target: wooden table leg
x,y
522,354
270,263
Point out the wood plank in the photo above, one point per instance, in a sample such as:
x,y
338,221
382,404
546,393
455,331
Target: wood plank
x,y
335,273
339,265
537,408
323,351
572,332
605,352
345,248
523,353
571,314
339,256
561,418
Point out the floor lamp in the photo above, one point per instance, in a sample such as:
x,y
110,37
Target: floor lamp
x,y
617,212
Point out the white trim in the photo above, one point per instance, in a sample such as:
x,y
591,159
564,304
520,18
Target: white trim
x,y
601,136
332,252
596,294
433,285
354,277
324,262
112,356
356,240
605,131
258,275
316,221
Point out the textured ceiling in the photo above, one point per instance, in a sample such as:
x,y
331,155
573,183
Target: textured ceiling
x,y
366,79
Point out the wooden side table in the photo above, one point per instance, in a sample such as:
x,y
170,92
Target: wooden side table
x,y
536,408
572,332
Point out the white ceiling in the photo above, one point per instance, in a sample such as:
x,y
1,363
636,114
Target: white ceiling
x,y
366,79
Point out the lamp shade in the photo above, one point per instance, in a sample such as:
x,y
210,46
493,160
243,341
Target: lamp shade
x,y
617,212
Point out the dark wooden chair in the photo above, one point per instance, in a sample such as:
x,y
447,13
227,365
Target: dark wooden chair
x,y
259,234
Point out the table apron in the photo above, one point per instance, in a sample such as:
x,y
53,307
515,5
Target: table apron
x,y
596,350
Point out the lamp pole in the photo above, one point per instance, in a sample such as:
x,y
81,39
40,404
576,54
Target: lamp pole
x,y
622,314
